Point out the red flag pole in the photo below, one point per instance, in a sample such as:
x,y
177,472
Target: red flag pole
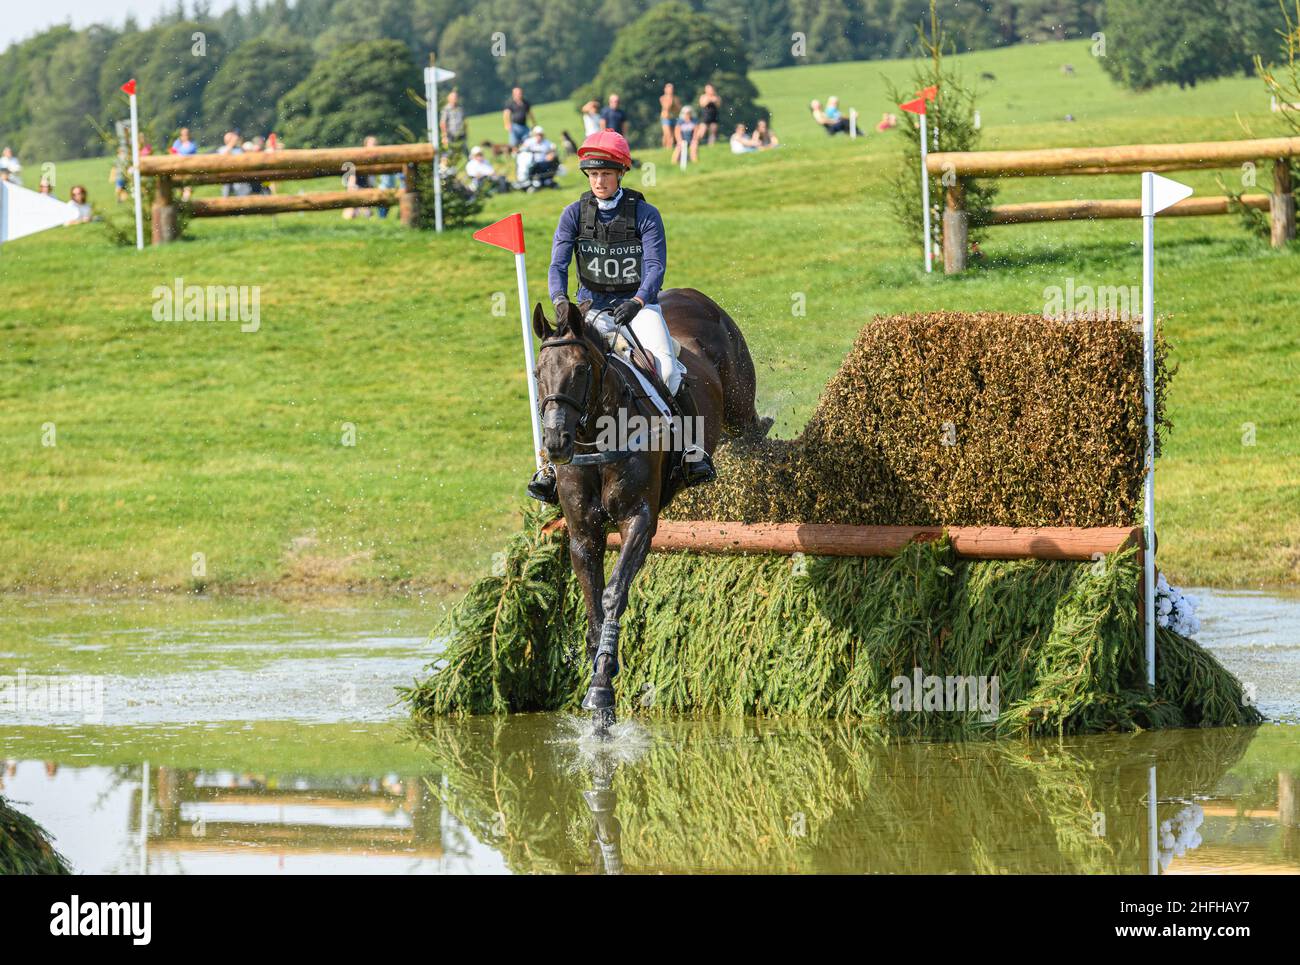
x,y
917,107
129,89
508,233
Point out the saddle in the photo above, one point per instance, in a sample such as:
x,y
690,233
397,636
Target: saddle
x,y
643,368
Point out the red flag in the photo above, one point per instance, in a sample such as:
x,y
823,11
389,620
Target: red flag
x,y
508,233
129,86
929,93
914,107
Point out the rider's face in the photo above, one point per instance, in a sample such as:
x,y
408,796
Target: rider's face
x,y
604,182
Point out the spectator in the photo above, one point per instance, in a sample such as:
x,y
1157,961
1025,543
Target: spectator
x,y
9,166
613,117
669,108
354,181
741,143
451,123
887,122
833,108
536,156
590,118
84,211
118,176
231,145
687,133
763,138
710,108
183,145
516,115
45,187
482,175
836,126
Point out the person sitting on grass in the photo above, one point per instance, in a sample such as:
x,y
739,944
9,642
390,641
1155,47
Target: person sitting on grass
x,y
741,143
836,125
84,211
763,138
687,133
483,177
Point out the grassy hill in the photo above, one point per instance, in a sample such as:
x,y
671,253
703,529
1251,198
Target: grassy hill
x,y
177,438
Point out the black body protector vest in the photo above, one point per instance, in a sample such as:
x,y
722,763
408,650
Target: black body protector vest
x,y
609,253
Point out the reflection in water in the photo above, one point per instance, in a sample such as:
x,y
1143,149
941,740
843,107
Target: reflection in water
x,y
753,796
532,794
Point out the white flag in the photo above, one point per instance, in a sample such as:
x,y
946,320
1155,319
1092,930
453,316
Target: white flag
x,y
25,212
1159,193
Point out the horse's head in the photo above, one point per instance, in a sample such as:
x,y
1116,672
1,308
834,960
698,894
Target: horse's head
x,y
568,379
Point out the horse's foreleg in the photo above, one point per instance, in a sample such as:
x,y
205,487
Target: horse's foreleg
x,y
635,531
587,553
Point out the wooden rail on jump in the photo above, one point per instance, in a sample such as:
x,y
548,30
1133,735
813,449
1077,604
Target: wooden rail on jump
x,y
1121,159
834,539
171,170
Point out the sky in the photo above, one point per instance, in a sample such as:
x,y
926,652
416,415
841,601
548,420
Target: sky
x,y
20,20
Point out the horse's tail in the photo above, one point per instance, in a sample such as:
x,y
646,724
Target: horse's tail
x,y
735,367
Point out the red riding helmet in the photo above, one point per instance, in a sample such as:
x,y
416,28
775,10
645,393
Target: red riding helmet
x,y
605,149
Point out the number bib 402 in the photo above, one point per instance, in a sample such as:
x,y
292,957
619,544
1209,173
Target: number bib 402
x,y
607,266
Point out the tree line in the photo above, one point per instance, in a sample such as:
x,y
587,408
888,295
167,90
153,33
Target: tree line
x,y
324,72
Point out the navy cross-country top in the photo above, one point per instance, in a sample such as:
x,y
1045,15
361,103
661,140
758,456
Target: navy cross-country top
x,y
655,258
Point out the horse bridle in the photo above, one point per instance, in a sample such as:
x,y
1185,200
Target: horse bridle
x,y
582,406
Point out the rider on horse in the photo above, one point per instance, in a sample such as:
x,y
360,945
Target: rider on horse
x,y
612,227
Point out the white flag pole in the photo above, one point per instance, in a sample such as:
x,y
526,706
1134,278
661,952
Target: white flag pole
x,y
686,147
431,100
135,163
925,197
521,277
1158,193
853,123
1148,397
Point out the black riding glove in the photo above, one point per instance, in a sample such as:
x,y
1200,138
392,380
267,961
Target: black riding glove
x,y
624,312
559,301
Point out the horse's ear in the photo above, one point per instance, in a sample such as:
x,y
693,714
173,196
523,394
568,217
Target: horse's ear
x,y
540,325
573,319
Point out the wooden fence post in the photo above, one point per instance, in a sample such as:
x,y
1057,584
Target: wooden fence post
x,y
1282,204
955,228
409,206
163,212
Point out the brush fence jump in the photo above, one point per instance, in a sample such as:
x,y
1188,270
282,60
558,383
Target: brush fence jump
x,y
170,171
834,539
951,166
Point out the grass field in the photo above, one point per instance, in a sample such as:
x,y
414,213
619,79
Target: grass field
x,y
180,438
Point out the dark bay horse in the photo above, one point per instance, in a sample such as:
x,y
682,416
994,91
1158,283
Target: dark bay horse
x,y
578,384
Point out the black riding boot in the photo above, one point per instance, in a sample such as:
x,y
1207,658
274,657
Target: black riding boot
x,y
542,485
695,464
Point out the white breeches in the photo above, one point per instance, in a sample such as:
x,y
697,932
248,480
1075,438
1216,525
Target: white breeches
x,y
652,331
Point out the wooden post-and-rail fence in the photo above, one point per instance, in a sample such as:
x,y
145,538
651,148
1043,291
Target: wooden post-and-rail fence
x,y
171,171
952,166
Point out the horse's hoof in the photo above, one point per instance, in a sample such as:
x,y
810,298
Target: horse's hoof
x,y
598,698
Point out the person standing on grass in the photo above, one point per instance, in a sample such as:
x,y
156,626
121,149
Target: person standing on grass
x,y
590,118
517,116
669,107
710,110
624,290
613,118
451,123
